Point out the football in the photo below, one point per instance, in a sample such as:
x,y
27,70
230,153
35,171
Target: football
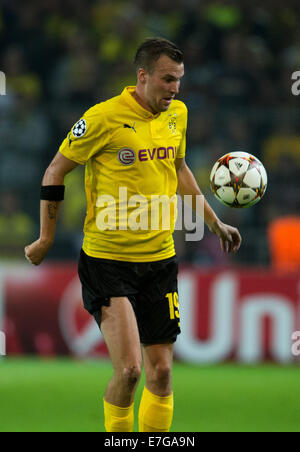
x,y
238,179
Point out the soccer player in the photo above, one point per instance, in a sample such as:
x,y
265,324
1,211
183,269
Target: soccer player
x,y
133,145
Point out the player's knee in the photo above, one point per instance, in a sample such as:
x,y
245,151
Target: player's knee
x,y
131,375
161,375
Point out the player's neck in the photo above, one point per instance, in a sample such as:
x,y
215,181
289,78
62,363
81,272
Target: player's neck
x,y
138,96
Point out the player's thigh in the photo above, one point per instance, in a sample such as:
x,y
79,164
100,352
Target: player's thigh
x,y
120,332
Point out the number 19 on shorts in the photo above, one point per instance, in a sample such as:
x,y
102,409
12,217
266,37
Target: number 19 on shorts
x,y
173,306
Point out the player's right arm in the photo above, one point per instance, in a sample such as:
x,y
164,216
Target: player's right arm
x,y
54,176
88,137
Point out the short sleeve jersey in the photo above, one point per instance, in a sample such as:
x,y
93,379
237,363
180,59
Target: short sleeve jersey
x,y
130,177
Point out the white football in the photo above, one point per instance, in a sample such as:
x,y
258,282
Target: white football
x,y
238,179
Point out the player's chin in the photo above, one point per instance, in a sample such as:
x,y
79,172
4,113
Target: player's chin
x,y
164,106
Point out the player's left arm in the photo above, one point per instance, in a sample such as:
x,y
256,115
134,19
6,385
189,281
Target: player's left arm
x,y
230,238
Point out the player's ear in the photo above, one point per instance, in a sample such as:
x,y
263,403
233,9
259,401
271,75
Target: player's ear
x,y
142,75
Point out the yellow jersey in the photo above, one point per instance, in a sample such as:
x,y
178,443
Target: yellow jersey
x,y
130,156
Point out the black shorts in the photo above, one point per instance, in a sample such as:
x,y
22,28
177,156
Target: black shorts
x,y
151,288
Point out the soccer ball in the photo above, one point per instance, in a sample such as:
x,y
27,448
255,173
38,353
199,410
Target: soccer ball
x,y
238,179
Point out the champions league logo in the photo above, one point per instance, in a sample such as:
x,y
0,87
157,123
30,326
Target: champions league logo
x,y
79,129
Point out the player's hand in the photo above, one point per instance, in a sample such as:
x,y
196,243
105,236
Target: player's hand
x,y
230,238
37,251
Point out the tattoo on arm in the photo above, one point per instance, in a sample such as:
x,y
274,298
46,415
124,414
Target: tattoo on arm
x,y
52,210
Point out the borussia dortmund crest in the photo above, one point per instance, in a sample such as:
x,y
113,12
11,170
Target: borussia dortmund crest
x,y
172,123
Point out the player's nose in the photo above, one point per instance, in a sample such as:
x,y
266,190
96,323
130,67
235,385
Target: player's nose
x,y
175,88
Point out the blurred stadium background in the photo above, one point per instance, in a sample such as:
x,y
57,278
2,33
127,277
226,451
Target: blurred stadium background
x,y
238,312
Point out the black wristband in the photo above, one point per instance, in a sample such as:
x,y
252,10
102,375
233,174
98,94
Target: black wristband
x,y
53,193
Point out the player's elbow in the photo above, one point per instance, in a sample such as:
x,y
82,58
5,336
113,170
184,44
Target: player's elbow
x,y
58,169
53,176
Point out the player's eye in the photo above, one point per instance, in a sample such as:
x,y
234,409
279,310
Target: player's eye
x,y
169,79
